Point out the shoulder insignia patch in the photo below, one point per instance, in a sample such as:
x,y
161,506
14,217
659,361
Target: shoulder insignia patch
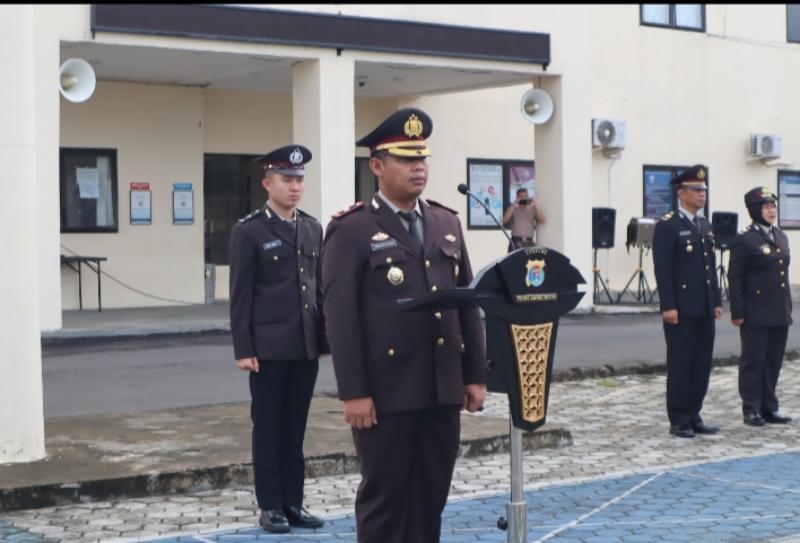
x,y
343,213
437,204
668,215
251,216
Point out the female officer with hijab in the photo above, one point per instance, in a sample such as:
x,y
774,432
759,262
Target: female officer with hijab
x,y
761,306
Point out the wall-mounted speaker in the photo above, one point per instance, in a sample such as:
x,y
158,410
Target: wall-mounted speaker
x,y
603,220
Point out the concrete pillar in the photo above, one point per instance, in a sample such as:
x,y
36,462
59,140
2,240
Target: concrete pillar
x,y
47,101
21,412
563,174
323,119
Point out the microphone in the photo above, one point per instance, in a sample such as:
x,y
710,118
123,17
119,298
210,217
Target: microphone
x,y
463,189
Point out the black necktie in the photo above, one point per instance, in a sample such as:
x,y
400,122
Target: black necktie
x,y
413,226
696,222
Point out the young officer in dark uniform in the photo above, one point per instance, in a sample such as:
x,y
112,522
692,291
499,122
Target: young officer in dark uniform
x,y
761,305
278,333
685,268
403,376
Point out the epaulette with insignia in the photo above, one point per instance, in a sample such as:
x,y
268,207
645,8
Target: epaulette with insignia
x,y
438,204
304,214
252,215
345,212
667,216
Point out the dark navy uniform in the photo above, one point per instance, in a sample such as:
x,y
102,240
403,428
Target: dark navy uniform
x,y
761,295
685,265
276,316
414,365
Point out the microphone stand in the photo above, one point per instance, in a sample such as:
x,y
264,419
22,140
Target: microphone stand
x,y
462,188
516,509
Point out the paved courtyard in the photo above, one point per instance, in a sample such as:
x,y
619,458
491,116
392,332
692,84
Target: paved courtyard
x,y
624,479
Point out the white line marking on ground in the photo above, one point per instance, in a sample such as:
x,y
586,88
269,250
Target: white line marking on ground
x,y
609,503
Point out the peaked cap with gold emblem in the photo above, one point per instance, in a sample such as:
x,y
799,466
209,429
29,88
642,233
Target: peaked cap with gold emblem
x,y
288,160
692,178
402,134
759,195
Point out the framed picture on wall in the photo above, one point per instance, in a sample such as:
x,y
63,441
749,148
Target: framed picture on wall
x,y
495,183
789,199
485,181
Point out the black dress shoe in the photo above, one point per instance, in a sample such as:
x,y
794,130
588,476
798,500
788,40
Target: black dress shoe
x,y
301,518
775,418
703,428
681,430
274,521
753,419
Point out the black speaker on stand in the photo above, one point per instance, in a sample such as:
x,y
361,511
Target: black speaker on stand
x,y
603,221
724,225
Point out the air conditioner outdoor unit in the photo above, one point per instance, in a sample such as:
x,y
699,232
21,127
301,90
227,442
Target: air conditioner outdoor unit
x,y
608,133
766,145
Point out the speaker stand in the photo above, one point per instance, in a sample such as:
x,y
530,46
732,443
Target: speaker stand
x,y
643,288
598,280
722,279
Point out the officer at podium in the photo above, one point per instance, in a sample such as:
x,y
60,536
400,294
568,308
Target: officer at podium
x,y
403,376
761,305
685,269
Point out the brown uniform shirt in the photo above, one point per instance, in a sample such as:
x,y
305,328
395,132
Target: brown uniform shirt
x,y
403,360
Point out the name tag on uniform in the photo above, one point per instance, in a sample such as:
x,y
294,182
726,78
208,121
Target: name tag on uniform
x,y
685,233
268,246
381,245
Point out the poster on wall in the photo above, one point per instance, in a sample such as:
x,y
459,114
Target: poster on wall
x,y
182,203
789,199
657,193
485,183
520,176
141,209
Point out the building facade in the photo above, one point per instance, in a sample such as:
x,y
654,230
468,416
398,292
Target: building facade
x,y
152,169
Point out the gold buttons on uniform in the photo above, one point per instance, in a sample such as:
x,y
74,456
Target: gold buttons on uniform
x,y
301,270
783,285
298,252
388,259
434,289
783,273
708,281
438,315
275,257
305,307
303,287
427,263
391,352
440,341
778,250
780,261
683,287
758,291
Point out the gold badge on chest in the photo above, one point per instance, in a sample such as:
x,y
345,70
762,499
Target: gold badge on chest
x,y
395,276
689,248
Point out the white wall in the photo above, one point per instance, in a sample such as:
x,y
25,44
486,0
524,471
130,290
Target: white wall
x,y
157,131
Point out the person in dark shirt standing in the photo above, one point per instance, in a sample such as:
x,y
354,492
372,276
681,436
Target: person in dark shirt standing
x,y
278,333
685,269
403,376
761,306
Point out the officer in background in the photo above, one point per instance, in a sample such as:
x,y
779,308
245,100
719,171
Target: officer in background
x,y
403,376
523,215
278,333
683,255
761,305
